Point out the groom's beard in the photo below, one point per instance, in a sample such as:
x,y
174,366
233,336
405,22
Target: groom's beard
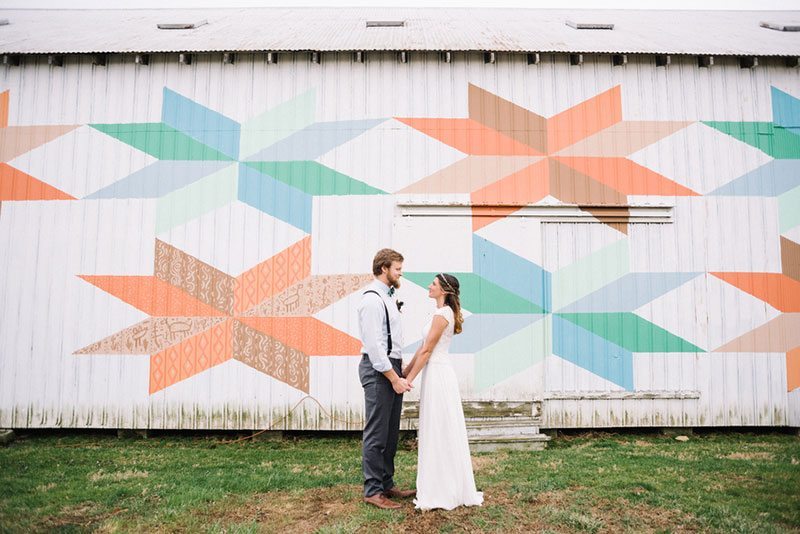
x,y
394,282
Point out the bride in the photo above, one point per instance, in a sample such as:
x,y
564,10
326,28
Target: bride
x,y
444,468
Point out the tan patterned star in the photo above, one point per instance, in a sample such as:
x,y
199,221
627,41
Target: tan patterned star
x,y
202,317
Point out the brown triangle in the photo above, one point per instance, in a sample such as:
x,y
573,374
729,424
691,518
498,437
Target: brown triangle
x,y
790,258
508,118
574,187
17,140
615,218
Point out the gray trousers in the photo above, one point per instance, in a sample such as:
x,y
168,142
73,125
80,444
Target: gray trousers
x,y
382,427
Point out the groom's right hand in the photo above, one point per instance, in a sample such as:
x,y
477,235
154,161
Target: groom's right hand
x,y
401,386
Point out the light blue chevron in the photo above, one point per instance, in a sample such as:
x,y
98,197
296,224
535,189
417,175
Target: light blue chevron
x,y
277,123
513,354
159,178
511,272
274,197
629,292
770,180
315,140
789,209
590,273
196,199
205,125
785,110
592,352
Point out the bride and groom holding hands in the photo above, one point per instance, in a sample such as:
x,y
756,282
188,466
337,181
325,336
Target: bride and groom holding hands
x,y
444,468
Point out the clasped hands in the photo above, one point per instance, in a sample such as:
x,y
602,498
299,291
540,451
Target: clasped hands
x,y
401,385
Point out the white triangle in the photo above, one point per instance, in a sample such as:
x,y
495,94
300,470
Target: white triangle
x,y
682,312
708,158
82,161
564,376
525,384
564,243
391,156
233,238
520,235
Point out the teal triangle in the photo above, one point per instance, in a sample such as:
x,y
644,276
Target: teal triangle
x,y
161,141
630,332
313,178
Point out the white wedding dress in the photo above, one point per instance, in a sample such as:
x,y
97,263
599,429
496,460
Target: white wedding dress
x,y
444,468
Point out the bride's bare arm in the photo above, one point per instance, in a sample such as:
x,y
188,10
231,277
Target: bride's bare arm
x,y
424,352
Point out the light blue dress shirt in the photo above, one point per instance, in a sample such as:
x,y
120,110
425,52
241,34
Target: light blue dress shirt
x,y
372,326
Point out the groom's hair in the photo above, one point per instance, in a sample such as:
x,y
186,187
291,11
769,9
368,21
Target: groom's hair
x,y
384,258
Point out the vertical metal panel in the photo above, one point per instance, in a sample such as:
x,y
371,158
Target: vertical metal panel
x,y
49,312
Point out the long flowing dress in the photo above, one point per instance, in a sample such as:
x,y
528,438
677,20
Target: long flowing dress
x,y
444,468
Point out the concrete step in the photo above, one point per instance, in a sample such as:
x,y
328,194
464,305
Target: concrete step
x,y
537,442
516,433
503,422
484,409
487,432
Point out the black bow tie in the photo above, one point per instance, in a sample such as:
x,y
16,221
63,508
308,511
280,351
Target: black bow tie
x,y
391,291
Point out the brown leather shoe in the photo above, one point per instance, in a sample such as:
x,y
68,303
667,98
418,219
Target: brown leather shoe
x,y
381,502
395,493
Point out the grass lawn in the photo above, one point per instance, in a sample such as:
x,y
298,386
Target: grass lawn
x,y
597,483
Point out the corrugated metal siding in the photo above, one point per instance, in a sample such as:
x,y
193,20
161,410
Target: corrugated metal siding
x,y
53,248
511,30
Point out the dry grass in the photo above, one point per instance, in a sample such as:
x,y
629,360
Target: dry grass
x,y
117,475
750,456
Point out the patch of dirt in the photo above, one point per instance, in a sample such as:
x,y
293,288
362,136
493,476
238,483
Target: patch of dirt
x,y
84,515
303,511
501,512
310,510
642,443
749,456
622,515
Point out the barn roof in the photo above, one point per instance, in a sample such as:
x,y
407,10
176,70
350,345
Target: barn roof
x,y
35,31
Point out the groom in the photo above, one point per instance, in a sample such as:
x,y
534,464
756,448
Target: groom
x,y
382,380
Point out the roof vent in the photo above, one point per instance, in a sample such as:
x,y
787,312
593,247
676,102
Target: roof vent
x,y
589,25
781,27
386,23
181,25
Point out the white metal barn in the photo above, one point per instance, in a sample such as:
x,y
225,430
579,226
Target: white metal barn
x,y
190,201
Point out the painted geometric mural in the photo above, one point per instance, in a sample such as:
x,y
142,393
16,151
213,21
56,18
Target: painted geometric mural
x,y
202,317
268,162
17,140
512,305
779,178
517,157
579,157
271,317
